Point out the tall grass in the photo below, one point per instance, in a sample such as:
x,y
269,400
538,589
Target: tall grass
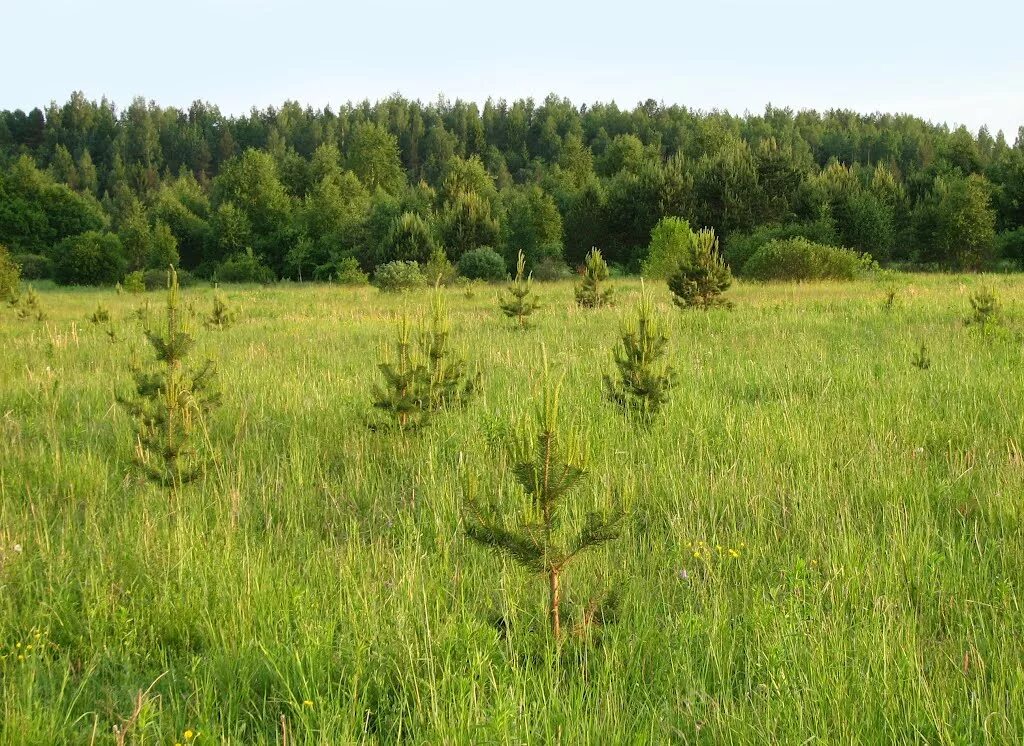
x,y
824,541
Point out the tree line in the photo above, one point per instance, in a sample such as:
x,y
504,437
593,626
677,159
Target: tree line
x,y
89,193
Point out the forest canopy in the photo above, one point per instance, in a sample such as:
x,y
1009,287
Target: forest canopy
x,y
89,192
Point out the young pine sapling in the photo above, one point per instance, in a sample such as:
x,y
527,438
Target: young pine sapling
x,y
590,292
700,280
221,315
169,401
548,475
644,378
521,302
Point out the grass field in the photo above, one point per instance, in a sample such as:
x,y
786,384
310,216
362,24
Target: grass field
x,y
824,542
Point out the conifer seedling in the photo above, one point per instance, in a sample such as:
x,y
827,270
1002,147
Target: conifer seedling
x,y
99,316
644,379
401,394
699,281
591,292
221,315
425,377
548,473
521,302
447,378
169,400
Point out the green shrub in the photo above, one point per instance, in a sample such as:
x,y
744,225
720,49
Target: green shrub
x,y
244,267
394,277
1010,245
672,242
156,279
350,273
483,264
739,247
10,274
134,282
550,269
439,270
800,259
90,258
34,266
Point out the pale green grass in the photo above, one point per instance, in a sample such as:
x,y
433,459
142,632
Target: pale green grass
x,y
318,571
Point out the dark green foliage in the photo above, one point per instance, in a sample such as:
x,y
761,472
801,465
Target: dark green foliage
x,y
521,302
539,539
739,247
90,258
700,280
10,275
955,224
591,292
1009,245
410,239
34,266
244,267
395,277
644,379
156,279
169,401
800,259
399,179
483,264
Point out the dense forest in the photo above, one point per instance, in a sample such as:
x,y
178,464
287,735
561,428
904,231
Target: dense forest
x,y
89,192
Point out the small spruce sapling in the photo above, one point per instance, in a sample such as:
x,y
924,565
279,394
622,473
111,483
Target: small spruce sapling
x,y
644,379
698,282
548,474
521,302
590,293
169,401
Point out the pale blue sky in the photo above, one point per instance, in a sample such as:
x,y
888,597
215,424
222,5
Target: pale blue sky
x,y
952,62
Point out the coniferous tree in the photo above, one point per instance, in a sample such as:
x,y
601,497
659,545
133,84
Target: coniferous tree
x,y
522,301
447,380
401,396
27,306
425,377
700,282
221,315
99,316
169,401
548,473
644,379
589,292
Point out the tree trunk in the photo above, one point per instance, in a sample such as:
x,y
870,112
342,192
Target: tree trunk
x,y
555,600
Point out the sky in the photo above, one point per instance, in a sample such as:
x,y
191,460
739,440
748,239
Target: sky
x,y
956,63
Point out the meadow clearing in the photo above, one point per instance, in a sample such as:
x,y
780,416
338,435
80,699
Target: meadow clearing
x,y
823,540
